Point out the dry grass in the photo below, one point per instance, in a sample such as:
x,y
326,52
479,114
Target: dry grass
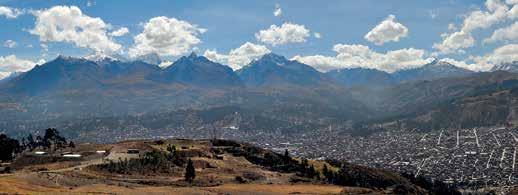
x,y
11,185
276,189
221,172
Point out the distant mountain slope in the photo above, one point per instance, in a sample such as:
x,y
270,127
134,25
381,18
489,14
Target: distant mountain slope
x,y
59,74
362,77
509,67
10,76
484,99
277,88
275,70
69,73
130,68
434,70
198,71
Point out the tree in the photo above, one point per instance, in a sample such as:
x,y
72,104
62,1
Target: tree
x,y
8,147
172,152
171,148
325,171
286,156
52,138
311,172
71,144
31,144
304,162
190,173
38,142
328,174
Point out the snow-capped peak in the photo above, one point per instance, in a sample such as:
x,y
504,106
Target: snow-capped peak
x,y
100,57
509,66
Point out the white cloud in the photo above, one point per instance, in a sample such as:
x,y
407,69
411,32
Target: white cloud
x,y
69,24
454,42
10,44
452,27
166,37
280,35
432,14
119,32
165,64
238,57
506,53
10,12
90,3
278,11
463,64
321,63
317,35
214,56
509,33
351,56
11,63
44,47
4,75
478,19
513,13
511,2
386,31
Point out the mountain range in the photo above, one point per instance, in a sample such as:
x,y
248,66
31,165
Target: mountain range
x,y
269,70
271,88
509,66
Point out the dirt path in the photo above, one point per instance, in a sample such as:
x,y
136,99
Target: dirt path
x,y
115,155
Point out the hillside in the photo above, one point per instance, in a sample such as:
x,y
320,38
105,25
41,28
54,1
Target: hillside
x,y
220,167
271,93
434,70
273,70
198,71
362,77
484,99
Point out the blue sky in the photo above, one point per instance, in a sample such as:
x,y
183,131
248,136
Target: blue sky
x,y
223,26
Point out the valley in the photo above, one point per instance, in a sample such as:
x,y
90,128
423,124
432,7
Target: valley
x,y
259,97
280,104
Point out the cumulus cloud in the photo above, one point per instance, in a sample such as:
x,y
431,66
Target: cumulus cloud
x,y
278,11
10,64
280,35
432,14
4,75
513,13
10,44
317,35
509,33
238,57
386,31
506,53
496,12
166,37
452,27
469,66
119,32
90,3
10,12
351,56
69,24
455,41
165,64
